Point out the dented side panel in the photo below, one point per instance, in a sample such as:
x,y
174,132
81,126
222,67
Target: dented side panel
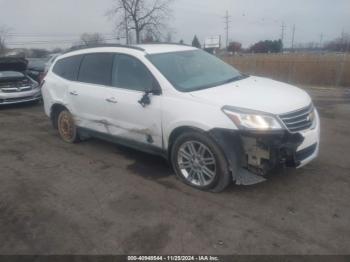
x,y
132,121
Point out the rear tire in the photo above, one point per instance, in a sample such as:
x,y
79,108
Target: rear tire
x,y
67,128
200,163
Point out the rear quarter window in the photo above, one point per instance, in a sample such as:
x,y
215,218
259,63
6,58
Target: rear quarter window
x,y
68,68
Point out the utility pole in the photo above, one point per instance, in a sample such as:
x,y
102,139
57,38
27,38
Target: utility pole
x,y
126,28
227,26
283,27
321,40
293,36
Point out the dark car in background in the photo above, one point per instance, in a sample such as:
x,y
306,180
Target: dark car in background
x,y
16,86
36,68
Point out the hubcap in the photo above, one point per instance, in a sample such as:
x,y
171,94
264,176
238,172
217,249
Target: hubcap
x,y
197,163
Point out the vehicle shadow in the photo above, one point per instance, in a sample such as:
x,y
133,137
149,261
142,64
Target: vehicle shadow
x,y
20,105
146,165
157,169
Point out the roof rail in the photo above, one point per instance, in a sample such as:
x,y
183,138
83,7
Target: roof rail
x,y
166,43
82,47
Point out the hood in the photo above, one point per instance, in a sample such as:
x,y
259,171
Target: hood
x,y
257,93
13,64
5,75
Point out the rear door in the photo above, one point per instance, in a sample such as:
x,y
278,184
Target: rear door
x,y
90,97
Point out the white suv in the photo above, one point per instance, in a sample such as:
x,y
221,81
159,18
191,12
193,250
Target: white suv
x,y
214,124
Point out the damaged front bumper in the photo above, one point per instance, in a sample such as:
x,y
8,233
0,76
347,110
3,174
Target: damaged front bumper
x,y
252,155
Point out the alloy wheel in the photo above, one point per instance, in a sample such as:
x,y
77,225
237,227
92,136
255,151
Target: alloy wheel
x,y
196,163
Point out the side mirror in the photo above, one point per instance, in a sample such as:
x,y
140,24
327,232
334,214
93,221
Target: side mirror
x,y
155,90
145,100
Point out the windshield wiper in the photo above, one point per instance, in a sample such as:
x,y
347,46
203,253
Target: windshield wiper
x,y
236,78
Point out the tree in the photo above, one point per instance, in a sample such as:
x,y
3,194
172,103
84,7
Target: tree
x,y
169,37
57,50
4,34
196,42
91,39
234,47
140,16
39,53
341,44
267,46
149,38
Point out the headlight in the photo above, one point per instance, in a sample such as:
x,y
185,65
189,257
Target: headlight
x,y
246,119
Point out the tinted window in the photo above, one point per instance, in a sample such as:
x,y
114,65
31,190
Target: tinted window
x,y
96,69
130,73
68,67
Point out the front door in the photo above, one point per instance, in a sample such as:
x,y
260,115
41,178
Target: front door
x,y
131,120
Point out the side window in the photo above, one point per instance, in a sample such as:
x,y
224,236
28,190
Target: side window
x,y
96,69
68,67
130,73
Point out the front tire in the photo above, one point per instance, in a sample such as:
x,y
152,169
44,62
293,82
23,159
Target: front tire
x,y
200,163
67,128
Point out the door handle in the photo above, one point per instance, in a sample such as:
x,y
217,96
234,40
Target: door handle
x,y
112,100
73,93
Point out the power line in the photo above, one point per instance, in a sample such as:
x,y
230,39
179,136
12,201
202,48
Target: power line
x,y
227,26
46,42
16,35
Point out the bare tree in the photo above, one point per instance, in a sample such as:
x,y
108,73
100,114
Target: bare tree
x,y
4,34
91,39
141,16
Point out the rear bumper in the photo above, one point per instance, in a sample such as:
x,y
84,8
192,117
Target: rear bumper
x,y
20,97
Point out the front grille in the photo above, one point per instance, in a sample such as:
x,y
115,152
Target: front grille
x,y
305,153
16,86
299,120
16,99
15,89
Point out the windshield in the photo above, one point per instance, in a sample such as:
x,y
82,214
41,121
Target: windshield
x,y
37,63
194,70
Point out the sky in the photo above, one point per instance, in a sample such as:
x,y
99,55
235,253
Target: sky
x,y
59,23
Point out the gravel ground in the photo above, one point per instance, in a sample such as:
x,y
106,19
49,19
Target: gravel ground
x,y
99,198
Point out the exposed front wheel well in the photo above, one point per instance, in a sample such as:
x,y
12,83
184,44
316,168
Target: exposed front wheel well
x,y
56,109
176,133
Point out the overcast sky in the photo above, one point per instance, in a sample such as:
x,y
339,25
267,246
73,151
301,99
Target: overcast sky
x,y
51,23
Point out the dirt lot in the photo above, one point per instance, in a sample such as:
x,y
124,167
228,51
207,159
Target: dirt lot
x,y
98,198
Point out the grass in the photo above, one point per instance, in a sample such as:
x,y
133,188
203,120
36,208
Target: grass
x,y
328,69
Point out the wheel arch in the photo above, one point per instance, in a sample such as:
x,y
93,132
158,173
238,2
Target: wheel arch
x,y
54,112
176,132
